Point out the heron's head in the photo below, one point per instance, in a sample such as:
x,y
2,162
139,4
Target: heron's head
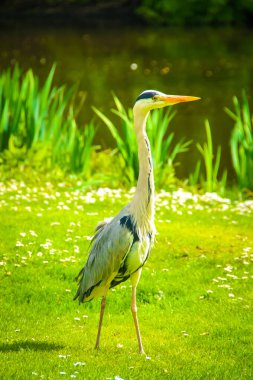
x,y
151,99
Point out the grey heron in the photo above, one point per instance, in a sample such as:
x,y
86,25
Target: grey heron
x,y
121,246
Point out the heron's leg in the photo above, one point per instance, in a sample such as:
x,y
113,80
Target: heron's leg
x,y
102,309
135,279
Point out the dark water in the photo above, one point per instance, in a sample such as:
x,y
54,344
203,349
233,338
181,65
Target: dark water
x,y
212,64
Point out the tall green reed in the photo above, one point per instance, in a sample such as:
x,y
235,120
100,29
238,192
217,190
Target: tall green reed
x,y
164,153
125,139
209,179
43,119
241,142
164,150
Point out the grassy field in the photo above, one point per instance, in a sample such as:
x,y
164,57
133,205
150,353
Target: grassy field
x,y
195,297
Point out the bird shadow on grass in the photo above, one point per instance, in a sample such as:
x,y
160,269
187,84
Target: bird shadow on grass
x,y
29,345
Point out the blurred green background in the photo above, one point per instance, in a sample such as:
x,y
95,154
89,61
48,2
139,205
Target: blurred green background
x,y
199,48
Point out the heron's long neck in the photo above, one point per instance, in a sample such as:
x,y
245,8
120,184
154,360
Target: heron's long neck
x,y
142,204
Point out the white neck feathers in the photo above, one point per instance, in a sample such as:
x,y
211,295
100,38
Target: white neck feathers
x,y
142,205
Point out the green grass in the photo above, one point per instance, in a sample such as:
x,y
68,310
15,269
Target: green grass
x,y
195,319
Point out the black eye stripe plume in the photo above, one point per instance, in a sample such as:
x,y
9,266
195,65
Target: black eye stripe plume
x,y
147,95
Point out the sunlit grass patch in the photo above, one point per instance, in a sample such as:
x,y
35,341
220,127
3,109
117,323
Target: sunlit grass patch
x,y
194,297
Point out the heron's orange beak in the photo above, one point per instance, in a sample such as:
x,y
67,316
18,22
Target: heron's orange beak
x,y
174,99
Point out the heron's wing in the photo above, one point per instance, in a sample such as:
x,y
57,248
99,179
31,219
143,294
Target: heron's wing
x,y
110,247
99,228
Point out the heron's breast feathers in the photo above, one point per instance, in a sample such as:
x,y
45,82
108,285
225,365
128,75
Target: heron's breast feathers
x,y
118,250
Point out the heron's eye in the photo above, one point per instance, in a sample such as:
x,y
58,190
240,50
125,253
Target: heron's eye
x,y
155,98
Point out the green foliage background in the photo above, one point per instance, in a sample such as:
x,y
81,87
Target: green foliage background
x,y
153,12
196,12
39,131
